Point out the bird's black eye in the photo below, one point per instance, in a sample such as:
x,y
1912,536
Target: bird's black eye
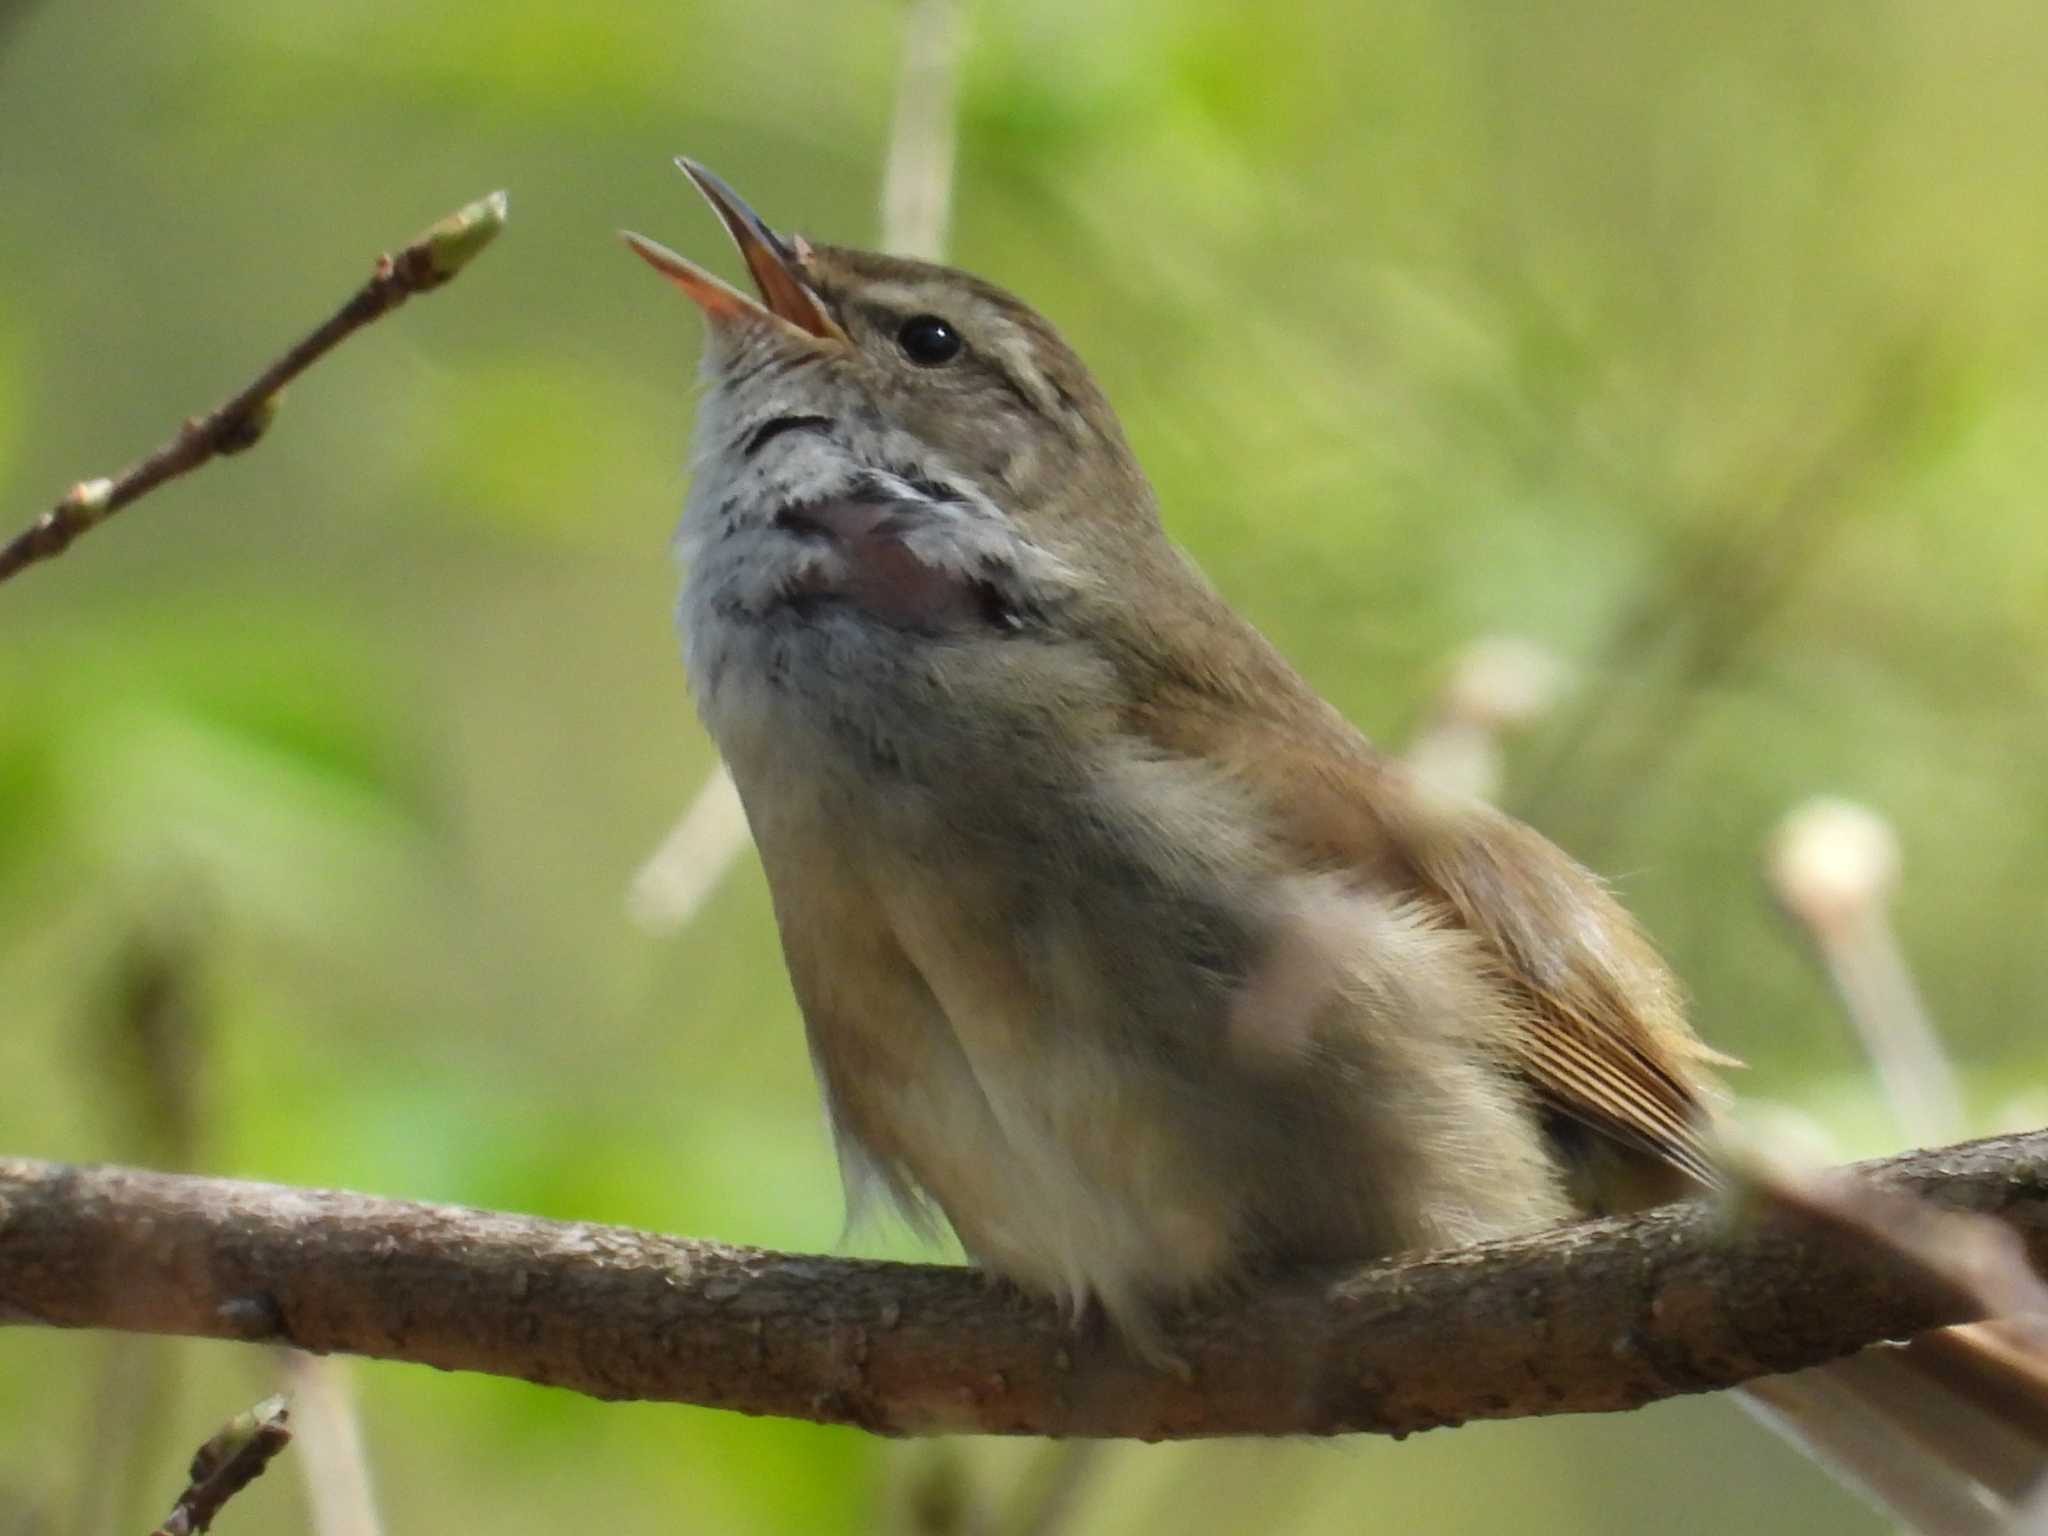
x,y
929,341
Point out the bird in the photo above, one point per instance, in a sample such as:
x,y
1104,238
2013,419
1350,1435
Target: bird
x,y
1118,948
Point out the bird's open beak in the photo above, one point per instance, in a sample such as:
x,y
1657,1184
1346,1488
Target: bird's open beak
x,y
784,294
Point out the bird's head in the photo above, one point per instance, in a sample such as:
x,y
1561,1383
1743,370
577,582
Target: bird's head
x,y
948,377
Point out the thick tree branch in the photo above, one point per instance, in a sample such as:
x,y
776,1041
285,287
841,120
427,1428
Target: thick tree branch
x,y
433,259
1605,1315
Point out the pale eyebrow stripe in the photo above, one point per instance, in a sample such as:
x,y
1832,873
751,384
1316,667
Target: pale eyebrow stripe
x,y
1012,356
896,296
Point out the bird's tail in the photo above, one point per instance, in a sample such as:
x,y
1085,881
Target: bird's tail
x,y
1947,1432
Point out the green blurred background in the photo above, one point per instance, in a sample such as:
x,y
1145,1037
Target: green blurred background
x,y
1702,345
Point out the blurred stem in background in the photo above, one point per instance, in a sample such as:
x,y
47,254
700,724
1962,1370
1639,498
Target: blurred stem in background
x,y
1835,868
148,1048
917,176
1737,560
1496,685
153,1052
332,1458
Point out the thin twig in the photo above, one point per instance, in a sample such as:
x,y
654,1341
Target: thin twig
x,y
229,1462
1601,1315
434,258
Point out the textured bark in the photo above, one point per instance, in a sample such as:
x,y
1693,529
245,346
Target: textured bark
x,y
1600,1316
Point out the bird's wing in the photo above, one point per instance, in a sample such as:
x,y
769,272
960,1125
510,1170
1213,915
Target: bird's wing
x,y
1603,1037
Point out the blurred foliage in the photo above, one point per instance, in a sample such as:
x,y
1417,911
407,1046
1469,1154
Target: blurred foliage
x,y
1702,345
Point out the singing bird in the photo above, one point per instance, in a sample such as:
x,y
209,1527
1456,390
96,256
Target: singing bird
x,y
1115,943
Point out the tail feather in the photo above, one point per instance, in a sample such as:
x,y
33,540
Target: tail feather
x,y
1868,1454
2001,1367
1948,1433
1949,1430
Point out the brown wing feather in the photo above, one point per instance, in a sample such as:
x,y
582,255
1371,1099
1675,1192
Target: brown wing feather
x,y
1606,1042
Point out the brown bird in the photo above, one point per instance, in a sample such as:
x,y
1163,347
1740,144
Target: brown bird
x,y
1115,942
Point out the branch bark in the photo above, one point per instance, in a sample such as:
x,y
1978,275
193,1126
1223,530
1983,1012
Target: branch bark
x,y
1600,1316
434,258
